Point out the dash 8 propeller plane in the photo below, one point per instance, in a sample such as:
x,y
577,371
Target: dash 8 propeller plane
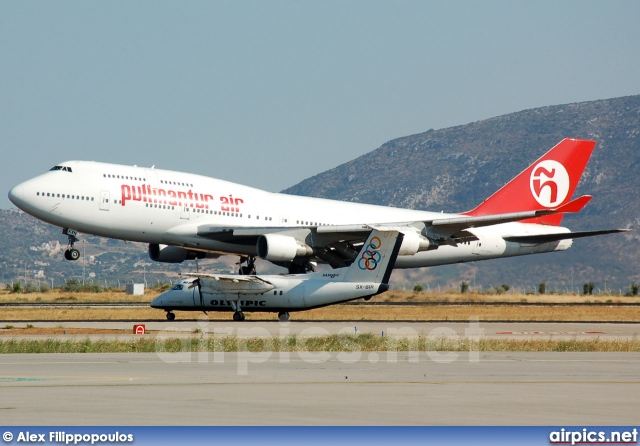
x,y
367,276
185,216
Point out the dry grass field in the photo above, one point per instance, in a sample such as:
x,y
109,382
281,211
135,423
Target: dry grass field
x,y
56,296
459,307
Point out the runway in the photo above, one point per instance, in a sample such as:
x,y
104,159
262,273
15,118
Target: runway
x,y
324,388
472,328
318,388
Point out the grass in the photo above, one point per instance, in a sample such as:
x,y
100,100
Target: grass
x,y
110,295
347,313
331,343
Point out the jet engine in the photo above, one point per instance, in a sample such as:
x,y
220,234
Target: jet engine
x,y
413,243
173,254
279,248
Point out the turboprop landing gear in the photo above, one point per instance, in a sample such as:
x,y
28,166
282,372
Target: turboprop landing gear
x,y
283,316
250,268
71,253
238,316
170,316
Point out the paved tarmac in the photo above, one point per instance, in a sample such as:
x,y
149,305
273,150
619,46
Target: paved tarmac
x,y
376,388
499,330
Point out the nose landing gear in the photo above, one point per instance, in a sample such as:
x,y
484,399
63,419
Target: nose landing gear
x,y
71,253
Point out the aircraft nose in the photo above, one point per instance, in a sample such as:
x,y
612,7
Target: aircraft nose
x,y
155,303
16,195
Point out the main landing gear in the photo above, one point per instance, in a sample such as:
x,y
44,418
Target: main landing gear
x,y
303,267
250,268
283,316
71,253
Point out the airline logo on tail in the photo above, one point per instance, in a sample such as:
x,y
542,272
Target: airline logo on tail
x,y
371,256
549,183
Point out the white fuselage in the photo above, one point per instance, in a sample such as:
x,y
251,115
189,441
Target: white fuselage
x,y
290,293
166,207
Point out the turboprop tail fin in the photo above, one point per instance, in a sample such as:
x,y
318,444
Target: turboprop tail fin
x,y
376,258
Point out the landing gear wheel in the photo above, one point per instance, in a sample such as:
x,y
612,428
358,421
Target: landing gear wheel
x,y
238,316
74,254
170,316
283,316
71,253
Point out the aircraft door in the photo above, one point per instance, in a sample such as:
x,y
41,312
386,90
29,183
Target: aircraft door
x,y
185,213
104,200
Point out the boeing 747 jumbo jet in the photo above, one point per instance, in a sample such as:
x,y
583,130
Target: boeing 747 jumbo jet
x,y
185,216
367,276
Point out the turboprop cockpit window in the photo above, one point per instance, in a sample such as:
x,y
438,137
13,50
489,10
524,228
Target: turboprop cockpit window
x,y
177,287
63,168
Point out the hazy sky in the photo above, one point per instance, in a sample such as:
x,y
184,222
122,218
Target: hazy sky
x,y
268,93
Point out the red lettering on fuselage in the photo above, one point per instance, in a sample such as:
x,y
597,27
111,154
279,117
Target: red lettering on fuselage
x,y
234,202
166,196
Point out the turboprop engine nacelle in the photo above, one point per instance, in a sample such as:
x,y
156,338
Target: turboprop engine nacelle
x,y
279,248
173,254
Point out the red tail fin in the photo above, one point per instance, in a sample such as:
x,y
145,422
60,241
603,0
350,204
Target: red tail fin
x,y
547,183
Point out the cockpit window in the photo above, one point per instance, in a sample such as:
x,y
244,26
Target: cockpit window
x,y
177,287
63,168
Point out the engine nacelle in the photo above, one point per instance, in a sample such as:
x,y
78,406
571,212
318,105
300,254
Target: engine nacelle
x,y
413,243
173,254
279,248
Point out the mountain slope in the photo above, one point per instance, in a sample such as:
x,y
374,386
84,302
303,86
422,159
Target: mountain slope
x,y
454,169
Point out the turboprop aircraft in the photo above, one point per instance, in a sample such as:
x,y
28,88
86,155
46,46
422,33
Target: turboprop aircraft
x,y
367,276
185,216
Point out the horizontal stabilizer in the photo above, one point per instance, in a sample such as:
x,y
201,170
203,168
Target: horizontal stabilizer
x,y
546,238
456,224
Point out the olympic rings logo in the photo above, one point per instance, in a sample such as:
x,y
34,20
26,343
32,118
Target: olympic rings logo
x,y
371,256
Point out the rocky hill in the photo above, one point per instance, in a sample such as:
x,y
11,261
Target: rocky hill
x,y
33,249
454,169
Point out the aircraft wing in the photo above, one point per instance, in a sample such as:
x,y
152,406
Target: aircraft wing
x,y
545,238
338,245
229,284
